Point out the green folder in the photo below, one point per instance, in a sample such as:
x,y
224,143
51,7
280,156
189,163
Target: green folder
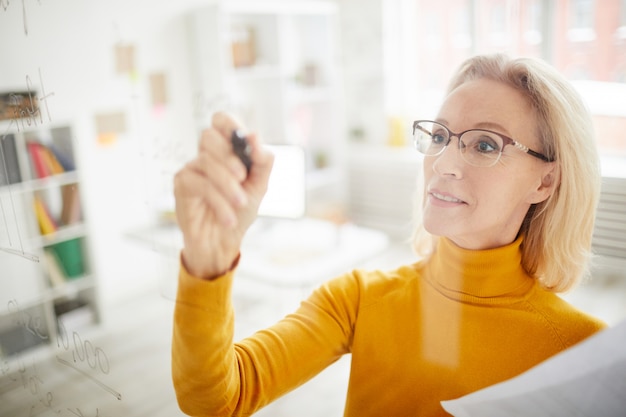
x,y
70,256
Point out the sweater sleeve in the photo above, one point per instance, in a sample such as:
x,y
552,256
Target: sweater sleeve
x,y
215,377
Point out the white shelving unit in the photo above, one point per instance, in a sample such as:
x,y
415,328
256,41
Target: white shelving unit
x,y
274,65
39,297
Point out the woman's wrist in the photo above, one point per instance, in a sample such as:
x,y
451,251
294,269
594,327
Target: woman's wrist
x,y
206,269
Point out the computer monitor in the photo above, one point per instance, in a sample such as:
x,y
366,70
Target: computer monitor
x,y
286,192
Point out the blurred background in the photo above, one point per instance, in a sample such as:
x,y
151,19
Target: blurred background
x,y
102,102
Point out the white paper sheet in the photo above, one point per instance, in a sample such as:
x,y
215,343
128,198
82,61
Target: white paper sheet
x,y
588,379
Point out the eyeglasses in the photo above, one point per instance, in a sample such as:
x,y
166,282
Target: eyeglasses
x,y
479,147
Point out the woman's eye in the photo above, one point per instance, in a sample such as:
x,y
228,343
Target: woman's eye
x,y
486,144
438,139
486,147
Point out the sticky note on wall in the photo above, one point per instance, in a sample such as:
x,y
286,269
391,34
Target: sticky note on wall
x,y
109,126
125,59
158,89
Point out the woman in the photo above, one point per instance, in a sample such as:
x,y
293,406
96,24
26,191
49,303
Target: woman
x,y
511,181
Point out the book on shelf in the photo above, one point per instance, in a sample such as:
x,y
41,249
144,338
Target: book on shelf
x,y
48,160
16,339
47,224
69,253
55,272
64,159
71,209
9,165
74,314
69,214
51,161
40,168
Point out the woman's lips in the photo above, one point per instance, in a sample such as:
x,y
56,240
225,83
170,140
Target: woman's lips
x,y
444,199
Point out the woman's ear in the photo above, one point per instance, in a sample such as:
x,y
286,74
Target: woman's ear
x,y
550,180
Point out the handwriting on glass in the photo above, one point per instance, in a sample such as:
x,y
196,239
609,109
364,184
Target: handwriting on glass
x,y
73,352
4,4
27,107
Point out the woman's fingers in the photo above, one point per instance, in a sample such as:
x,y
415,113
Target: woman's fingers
x,y
219,179
225,124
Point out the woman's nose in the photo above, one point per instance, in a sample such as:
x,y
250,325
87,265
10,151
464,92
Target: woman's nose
x,y
450,162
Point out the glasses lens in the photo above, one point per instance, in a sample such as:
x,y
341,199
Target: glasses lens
x,y
430,138
481,147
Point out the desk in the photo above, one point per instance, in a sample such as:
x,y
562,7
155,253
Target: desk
x,y
297,253
306,252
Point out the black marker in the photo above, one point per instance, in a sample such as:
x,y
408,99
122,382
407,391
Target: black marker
x,y
241,148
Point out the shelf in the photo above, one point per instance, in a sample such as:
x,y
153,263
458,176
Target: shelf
x,y
45,240
63,234
70,288
52,181
275,63
41,183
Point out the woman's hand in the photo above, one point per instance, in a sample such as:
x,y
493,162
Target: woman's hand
x,y
215,201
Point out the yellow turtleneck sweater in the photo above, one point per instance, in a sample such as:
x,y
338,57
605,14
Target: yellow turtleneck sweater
x,y
423,333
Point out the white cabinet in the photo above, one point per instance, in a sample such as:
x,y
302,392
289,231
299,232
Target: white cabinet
x,y
274,64
46,284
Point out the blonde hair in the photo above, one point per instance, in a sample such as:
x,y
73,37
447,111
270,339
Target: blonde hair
x,y
556,249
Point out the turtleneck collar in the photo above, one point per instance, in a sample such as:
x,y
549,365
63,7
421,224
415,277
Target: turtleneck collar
x,y
461,273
